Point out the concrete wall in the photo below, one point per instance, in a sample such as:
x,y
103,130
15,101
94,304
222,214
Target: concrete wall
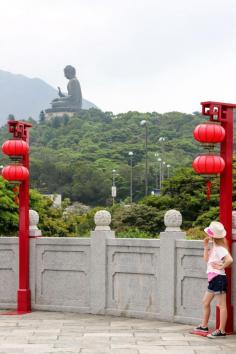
x,y
147,278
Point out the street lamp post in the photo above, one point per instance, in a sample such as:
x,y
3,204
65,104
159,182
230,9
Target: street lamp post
x,y
156,155
131,175
162,139
163,171
168,171
160,172
144,123
113,188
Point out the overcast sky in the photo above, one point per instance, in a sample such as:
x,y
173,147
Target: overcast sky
x,y
145,55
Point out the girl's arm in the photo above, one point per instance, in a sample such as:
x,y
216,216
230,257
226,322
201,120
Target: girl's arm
x,y
206,251
227,261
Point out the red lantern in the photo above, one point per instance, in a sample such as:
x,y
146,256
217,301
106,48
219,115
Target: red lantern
x,y
15,147
209,133
15,173
208,164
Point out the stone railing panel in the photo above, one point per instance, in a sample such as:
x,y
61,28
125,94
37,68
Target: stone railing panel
x,y
8,271
133,277
191,281
62,273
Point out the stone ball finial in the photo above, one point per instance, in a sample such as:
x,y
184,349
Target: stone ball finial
x,y
102,219
33,221
173,220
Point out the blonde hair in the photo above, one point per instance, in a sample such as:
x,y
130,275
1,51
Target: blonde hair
x,y
221,242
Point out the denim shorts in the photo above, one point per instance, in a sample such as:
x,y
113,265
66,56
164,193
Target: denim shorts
x,y
218,285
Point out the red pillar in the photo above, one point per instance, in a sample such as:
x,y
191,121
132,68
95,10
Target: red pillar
x,y
23,293
20,130
223,113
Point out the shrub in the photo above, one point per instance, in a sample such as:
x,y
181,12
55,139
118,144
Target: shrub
x,y
134,232
195,233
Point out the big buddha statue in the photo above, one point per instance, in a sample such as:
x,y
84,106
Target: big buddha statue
x,y
71,102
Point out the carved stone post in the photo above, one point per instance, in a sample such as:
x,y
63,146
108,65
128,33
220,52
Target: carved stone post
x,y
173,221
99,261
34,232
33,222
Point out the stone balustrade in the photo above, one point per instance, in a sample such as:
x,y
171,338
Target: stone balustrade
x,y
147,278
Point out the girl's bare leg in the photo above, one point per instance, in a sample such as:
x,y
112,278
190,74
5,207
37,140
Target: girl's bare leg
x,y
206,301
221,298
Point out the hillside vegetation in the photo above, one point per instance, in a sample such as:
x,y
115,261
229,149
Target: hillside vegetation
x,y
76,156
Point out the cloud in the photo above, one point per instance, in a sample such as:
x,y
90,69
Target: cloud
x,y
130,55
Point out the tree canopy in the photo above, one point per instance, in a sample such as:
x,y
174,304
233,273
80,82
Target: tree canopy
x,y
75,156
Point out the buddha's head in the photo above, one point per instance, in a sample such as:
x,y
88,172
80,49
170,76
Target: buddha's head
x,y
69,72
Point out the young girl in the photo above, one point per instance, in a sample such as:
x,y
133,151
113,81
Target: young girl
x,y
218,258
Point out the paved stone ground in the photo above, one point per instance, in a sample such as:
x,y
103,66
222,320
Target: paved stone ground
x,y
67,333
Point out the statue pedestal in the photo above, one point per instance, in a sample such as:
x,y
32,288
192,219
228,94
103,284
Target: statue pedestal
x,y
51,115
60,112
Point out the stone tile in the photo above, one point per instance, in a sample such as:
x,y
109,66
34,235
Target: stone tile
x,y
123,339
124,351
165,343
214,351
97,327
176,328
11,350
17,339
209,349
65,350
170,334
174,337
230,345
41,331
180,351
27,347
70,336
146,334
114,334
68,344
153,351
41,340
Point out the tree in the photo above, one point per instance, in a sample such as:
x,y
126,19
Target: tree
x,y
185,191
8,209
11,117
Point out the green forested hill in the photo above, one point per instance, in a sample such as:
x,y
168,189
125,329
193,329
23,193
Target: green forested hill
x,y
76,156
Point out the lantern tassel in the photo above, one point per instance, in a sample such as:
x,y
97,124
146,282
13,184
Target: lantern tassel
x,y
208,189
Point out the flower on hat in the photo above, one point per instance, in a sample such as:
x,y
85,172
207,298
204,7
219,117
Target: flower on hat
x,y
216,230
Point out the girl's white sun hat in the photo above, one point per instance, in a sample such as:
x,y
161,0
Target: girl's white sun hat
x,y
215,230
